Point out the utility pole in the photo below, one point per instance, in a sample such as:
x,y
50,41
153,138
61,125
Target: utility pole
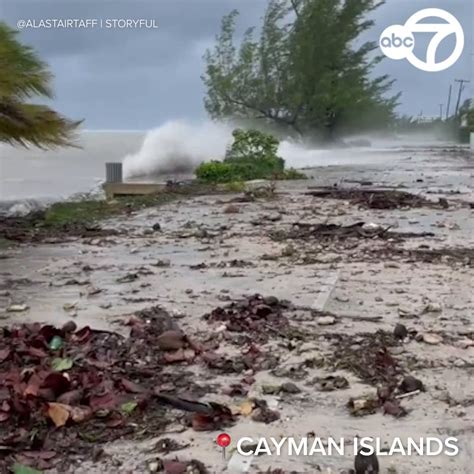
x,y
441,111
449,101
461,88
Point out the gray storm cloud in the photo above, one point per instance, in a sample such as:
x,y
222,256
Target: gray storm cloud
x,y
141,78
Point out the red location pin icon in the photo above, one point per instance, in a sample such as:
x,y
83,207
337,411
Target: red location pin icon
x,y
223,440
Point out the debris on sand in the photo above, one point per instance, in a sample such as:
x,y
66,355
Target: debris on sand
x,y
324,232
376,198
63,391
363,406
367,356
330,383
257,317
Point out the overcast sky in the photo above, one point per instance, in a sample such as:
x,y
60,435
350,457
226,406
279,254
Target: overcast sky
x,y
140,78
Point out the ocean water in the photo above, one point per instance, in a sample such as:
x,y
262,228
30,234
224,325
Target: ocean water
x,y
45,175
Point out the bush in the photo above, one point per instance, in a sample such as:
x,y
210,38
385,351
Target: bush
x,y
216,172
253,155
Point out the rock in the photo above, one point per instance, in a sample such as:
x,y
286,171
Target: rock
x,y
171,340
290,388
331,383
231,209
265,415
365,464
270,389
372,227
162,263
400,331
363,406
273,217
443,202
326,321
70,326
411,384
128,278
288,251
156,227
432,308
392,407
271,300
432,339
464,343
359,404
17,308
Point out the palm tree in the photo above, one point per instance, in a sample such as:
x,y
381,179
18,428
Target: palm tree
x,y
22,76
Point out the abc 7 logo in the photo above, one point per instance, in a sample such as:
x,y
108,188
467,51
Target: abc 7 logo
x,y
398,41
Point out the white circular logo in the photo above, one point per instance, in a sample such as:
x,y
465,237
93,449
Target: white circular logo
x,y
398,41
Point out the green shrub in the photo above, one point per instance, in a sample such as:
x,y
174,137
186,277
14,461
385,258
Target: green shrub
x,y
216,172
253,155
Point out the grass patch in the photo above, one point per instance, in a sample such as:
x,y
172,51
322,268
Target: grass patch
x,y
79,213
79,217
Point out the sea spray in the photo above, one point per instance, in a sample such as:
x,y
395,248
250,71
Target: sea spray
x,y
180,146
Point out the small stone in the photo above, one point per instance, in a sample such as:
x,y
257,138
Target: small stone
x,y
271,300
290,388
432,339
231,209
171,340
465,343
156,227
432,308
17,308
270,389
326,320
70,326
411,384
400,331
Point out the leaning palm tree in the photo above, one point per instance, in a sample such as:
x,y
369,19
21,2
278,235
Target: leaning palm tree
x,y
22,76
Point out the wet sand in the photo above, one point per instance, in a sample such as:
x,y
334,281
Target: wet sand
x,y
355,282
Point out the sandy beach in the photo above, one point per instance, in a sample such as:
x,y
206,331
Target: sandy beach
x,y
213,250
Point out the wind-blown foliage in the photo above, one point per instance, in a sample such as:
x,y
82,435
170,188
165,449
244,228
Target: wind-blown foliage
x,y
23,76
305,72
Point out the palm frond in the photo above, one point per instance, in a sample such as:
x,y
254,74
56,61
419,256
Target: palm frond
x,y
22,76
38,125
